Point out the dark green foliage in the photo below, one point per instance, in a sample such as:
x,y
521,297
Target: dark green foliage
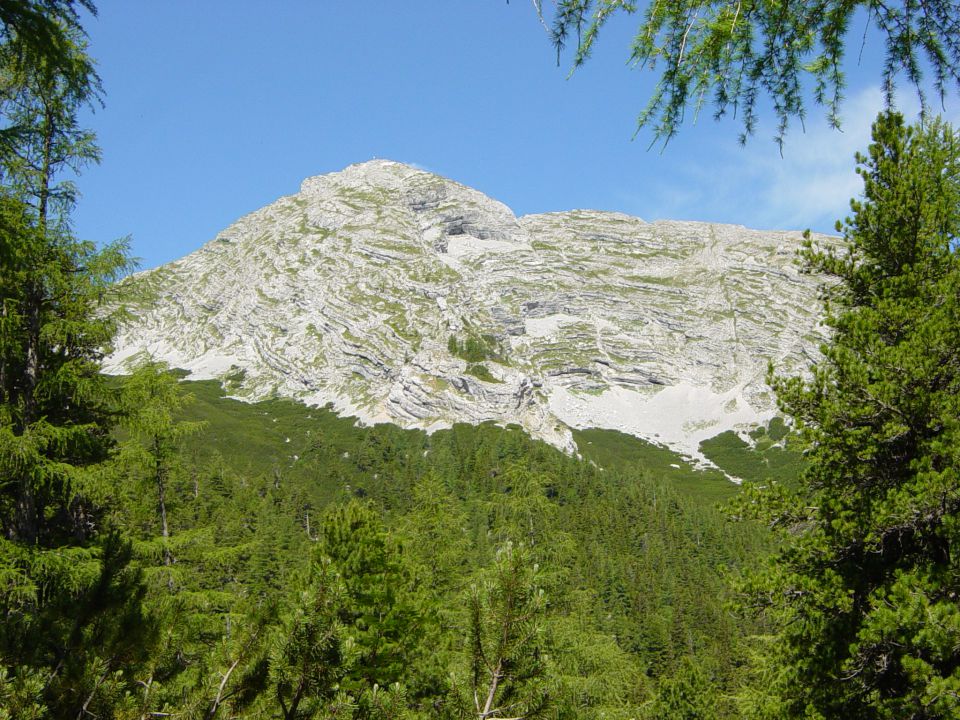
x,y
776,430
686,695
152,399
433,529
482,372
40,30
769,456
476,348
592,677
284,562
74,630
618,451
92,638
287,563
865,591
251,440
627,563
78,625
54,406
379,611
310,650
504,644
734,54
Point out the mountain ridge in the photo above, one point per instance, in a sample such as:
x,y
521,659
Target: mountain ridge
x,y
398,295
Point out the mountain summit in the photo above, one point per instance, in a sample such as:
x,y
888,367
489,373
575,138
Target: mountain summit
x,y
399,295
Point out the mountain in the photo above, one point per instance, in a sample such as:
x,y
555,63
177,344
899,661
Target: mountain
x,y
398,295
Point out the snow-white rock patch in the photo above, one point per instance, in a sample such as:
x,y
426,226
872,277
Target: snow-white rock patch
x,y
680,417
461,247
546,327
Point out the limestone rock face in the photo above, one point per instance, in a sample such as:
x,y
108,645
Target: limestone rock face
x,y
398,295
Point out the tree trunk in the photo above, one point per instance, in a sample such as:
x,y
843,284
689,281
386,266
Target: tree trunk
x,y
291,712
3,357
160,473
26,522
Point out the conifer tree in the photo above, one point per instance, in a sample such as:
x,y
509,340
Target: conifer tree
x,y
686,695
55,405
380,612
71,603
311,653
865,590
506,677
434,530
152,399
39,29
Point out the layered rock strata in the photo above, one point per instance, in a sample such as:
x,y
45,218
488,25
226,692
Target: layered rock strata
x,y
398,295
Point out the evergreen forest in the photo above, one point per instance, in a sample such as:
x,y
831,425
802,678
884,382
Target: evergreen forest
x,y
168,552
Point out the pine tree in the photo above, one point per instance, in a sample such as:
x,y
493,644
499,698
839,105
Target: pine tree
x,y
73,616
380,613
685,695
311,652
40,29
434,530
56,408
866,587
506,677
345,633
152,400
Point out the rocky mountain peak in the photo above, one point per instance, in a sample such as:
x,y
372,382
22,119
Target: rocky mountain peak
x,y
398,295
375,173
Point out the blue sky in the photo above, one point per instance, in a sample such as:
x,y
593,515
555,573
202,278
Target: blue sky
x,y
216,108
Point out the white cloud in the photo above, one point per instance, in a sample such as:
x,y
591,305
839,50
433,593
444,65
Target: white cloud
x,y
813,182
809,186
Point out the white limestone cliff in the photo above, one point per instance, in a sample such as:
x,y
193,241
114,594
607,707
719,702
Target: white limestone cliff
x,y
349,291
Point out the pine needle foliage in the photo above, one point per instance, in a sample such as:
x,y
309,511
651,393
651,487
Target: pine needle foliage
x,y
74,623
380,613
504,643
152,400
865,590
737,53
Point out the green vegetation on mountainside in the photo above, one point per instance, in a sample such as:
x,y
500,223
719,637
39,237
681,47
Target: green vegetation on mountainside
x,y
618,451
771,456
292,439
625,558
475,348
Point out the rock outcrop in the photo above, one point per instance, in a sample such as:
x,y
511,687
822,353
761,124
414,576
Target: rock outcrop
x,y
398,295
